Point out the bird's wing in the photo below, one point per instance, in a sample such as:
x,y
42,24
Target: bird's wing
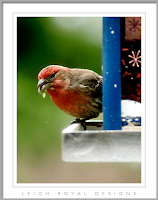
x,y
91,83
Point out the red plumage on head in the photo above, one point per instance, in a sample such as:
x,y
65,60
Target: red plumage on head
x,y
47,71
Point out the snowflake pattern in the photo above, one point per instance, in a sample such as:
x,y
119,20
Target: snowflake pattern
x,y
135,58
134,25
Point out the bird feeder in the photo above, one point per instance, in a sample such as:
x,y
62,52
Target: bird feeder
x,y
118,137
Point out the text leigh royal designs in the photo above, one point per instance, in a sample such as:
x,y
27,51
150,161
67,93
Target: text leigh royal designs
x,y
78,194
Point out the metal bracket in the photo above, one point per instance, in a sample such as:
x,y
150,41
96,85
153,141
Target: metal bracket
x,y
97,145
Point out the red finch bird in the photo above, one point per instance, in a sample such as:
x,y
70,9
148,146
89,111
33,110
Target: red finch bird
x,y
77,92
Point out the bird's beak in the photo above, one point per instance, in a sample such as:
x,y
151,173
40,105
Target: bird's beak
x,y
43,84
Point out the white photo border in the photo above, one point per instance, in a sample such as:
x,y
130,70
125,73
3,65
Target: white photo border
x,y
147,187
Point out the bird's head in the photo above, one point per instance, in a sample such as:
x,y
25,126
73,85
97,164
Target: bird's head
x,y
47,77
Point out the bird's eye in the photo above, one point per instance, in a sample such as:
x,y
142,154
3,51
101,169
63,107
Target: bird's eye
x,y
52,75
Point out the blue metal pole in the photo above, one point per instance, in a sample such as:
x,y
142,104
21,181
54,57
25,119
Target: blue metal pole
x,y
111,73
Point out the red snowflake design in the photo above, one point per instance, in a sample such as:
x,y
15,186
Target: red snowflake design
x,y
134,25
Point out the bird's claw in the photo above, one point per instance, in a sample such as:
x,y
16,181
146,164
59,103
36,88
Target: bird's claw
x,y
80,121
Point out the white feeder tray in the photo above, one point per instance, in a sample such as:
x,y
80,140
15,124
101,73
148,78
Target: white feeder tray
x,y
98,145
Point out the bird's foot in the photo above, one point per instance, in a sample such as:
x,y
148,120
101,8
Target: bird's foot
x,y
80,121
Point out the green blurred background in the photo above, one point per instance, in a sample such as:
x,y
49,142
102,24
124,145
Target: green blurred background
x,y
75,43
